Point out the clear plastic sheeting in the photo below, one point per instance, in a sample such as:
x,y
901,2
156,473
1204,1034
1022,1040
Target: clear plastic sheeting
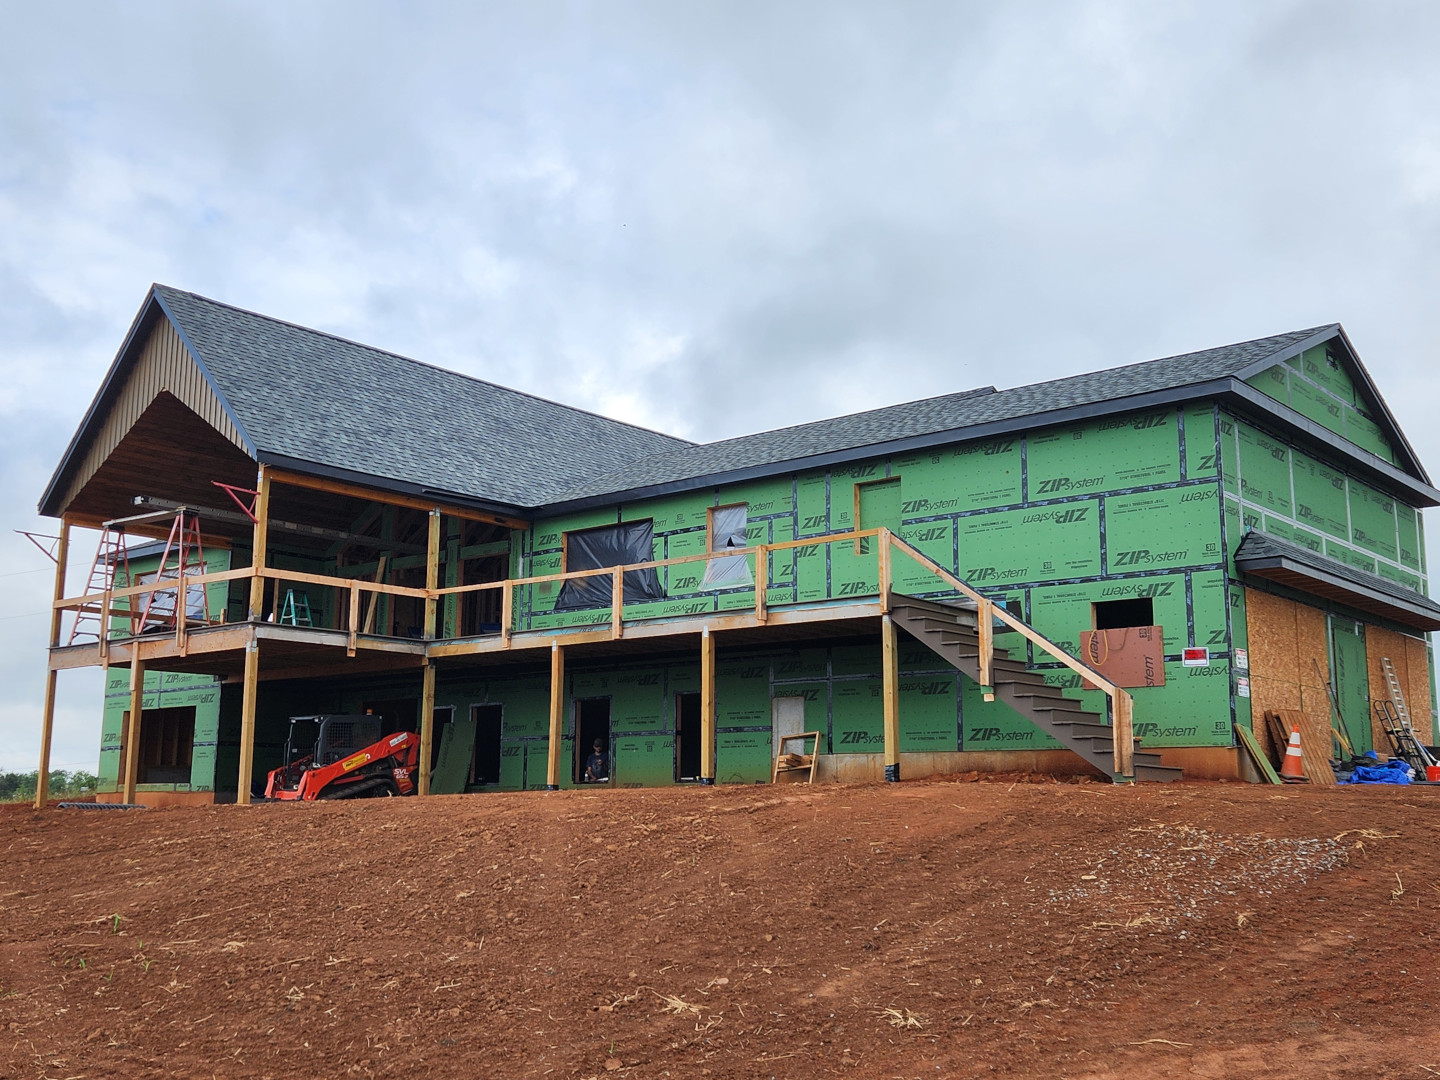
x,y
613,545
727,531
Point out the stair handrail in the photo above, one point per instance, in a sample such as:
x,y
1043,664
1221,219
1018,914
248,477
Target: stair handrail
x,y
1121,703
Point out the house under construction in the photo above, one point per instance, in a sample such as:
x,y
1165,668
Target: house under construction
x,y
1115,573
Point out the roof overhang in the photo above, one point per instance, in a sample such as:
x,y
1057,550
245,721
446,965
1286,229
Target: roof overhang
x,y
1306,571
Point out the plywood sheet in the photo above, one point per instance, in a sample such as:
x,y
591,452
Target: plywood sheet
x,y
1312,646
1417,689
1270,628
1380,644
1269,695
1316,745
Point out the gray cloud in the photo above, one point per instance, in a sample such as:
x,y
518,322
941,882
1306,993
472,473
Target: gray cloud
x,y
711,219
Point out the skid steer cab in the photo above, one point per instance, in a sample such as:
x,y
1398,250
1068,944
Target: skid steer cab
x,y
347,758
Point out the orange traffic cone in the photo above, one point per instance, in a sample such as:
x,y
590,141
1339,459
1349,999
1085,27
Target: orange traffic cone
x,y
1292,769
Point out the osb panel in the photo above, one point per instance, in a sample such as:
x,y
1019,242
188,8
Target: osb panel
x,y
1312,643
1417,689
1380,644
1270,695
1287,641
1270,625
1315,702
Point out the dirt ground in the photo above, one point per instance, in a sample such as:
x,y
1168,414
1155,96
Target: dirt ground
x,y
937,928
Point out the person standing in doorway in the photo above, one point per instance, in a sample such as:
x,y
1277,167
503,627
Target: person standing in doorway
x,y
597,765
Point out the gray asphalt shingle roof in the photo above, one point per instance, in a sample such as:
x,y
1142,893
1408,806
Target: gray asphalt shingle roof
x,y
952,412
307,395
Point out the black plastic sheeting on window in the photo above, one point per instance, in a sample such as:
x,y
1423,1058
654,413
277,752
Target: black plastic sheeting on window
x,y
614,545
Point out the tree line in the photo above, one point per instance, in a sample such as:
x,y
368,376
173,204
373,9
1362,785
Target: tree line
x,y
20,787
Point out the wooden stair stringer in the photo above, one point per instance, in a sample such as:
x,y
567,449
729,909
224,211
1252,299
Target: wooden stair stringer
x,y
950,634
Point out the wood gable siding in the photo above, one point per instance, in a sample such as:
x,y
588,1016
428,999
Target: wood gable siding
x,y
164,364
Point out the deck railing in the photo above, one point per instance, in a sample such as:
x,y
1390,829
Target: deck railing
x,y
758,556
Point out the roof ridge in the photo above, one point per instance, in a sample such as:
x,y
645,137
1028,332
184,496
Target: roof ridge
x,y
1297,335
420,363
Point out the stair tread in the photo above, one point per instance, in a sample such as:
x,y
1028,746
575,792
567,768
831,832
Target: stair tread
x,y
1082,729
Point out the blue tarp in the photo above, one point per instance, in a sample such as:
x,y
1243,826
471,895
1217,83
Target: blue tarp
x,y
1394,771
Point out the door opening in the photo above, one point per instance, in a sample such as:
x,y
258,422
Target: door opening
x,y
485,761
687,737
788,717
592,725
167,744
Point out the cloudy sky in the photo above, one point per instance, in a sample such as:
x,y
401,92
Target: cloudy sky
x,y
708,218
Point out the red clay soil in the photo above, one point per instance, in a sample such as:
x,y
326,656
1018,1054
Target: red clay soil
x,y
942,928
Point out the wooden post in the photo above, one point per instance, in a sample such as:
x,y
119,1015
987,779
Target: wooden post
x,y
257,555
180,620
432,582
47,715
707,706
557,714
884,542
247,720
131,764
449,617
890,663
427,723
617,602
507,611
106,602
985,629
1124,734
762,581
354,614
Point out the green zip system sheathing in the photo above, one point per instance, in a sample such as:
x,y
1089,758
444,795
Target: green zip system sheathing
x,y
1273,487
166,690
1050,522
1286,493
1318,385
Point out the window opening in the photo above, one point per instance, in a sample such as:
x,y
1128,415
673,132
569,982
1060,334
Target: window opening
x,y
687,736
611,545
726,531
485,757
1120,614
592,725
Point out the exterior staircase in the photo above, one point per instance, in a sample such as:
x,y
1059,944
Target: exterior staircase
x,y
949,631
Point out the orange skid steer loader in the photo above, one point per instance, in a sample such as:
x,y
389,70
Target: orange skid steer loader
x,y
350,759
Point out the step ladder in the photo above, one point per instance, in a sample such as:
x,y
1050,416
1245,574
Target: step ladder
x,y
296,609
111,561
183,556
1395,722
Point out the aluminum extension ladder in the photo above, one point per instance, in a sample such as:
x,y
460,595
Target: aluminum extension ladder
x,y
1395,722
